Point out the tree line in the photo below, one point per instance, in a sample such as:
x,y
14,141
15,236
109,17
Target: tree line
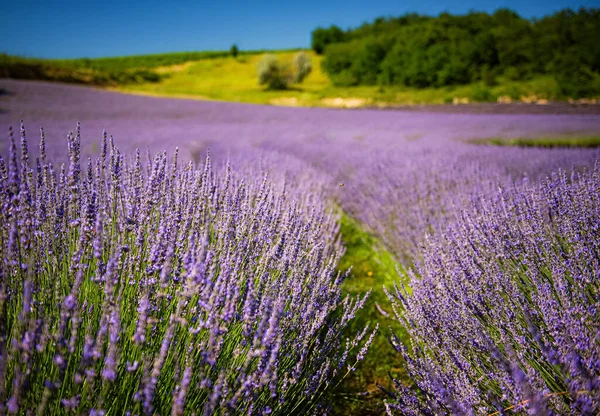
x,y
423,51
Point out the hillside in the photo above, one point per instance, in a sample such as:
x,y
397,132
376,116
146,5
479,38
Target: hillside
x,y
226,78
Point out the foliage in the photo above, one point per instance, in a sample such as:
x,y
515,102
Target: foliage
x,y
302,66
575,79
37,69
503,311
556,141
321,37
110,71
422,51
236,80
277,75
272,73
234,51
150,288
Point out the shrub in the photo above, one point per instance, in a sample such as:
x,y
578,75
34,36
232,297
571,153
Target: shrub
x,y
575,79
504,311
272,73
302,66
481,93
234,51
488,77
344,79
128,288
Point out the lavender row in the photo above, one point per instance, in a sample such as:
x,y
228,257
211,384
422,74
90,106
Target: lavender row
x,y
404,198
139,286
503,314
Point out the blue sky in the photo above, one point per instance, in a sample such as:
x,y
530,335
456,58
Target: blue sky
x,y
91,28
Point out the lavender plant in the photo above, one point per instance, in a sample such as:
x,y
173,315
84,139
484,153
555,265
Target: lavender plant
x,y
503,314
406,174
132,286
429,189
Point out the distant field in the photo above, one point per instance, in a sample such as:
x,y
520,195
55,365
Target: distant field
x,y
217,75
226,78
109,71
124,63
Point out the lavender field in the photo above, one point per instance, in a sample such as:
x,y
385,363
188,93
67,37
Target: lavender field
x,y
141,279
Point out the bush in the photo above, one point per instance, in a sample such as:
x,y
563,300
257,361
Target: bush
x,y
302,66
234,51
273,74
344,79
488,76
482,94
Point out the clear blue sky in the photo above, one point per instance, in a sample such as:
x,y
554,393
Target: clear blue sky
x,y
92,28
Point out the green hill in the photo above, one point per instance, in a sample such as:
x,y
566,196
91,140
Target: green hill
x,y
423,51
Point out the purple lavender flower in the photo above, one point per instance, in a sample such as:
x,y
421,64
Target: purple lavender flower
x,y
502,311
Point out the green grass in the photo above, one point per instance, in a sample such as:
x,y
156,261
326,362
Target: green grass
x,y
133,62
109,71
556,141
372,268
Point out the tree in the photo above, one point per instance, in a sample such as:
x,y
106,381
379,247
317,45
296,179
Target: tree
x,y
322,37
234,51
421,51
272,73
302,66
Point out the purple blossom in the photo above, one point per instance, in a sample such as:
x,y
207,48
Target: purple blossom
x,y
501,312
254,289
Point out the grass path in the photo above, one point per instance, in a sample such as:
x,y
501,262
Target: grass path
x,y
372,268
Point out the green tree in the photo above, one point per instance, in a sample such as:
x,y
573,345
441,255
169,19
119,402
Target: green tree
x,y
338,62
575,79
422,51
234,51
302,66
272,73
322,37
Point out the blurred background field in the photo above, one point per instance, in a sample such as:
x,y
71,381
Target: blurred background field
x,y
219,76
412,59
